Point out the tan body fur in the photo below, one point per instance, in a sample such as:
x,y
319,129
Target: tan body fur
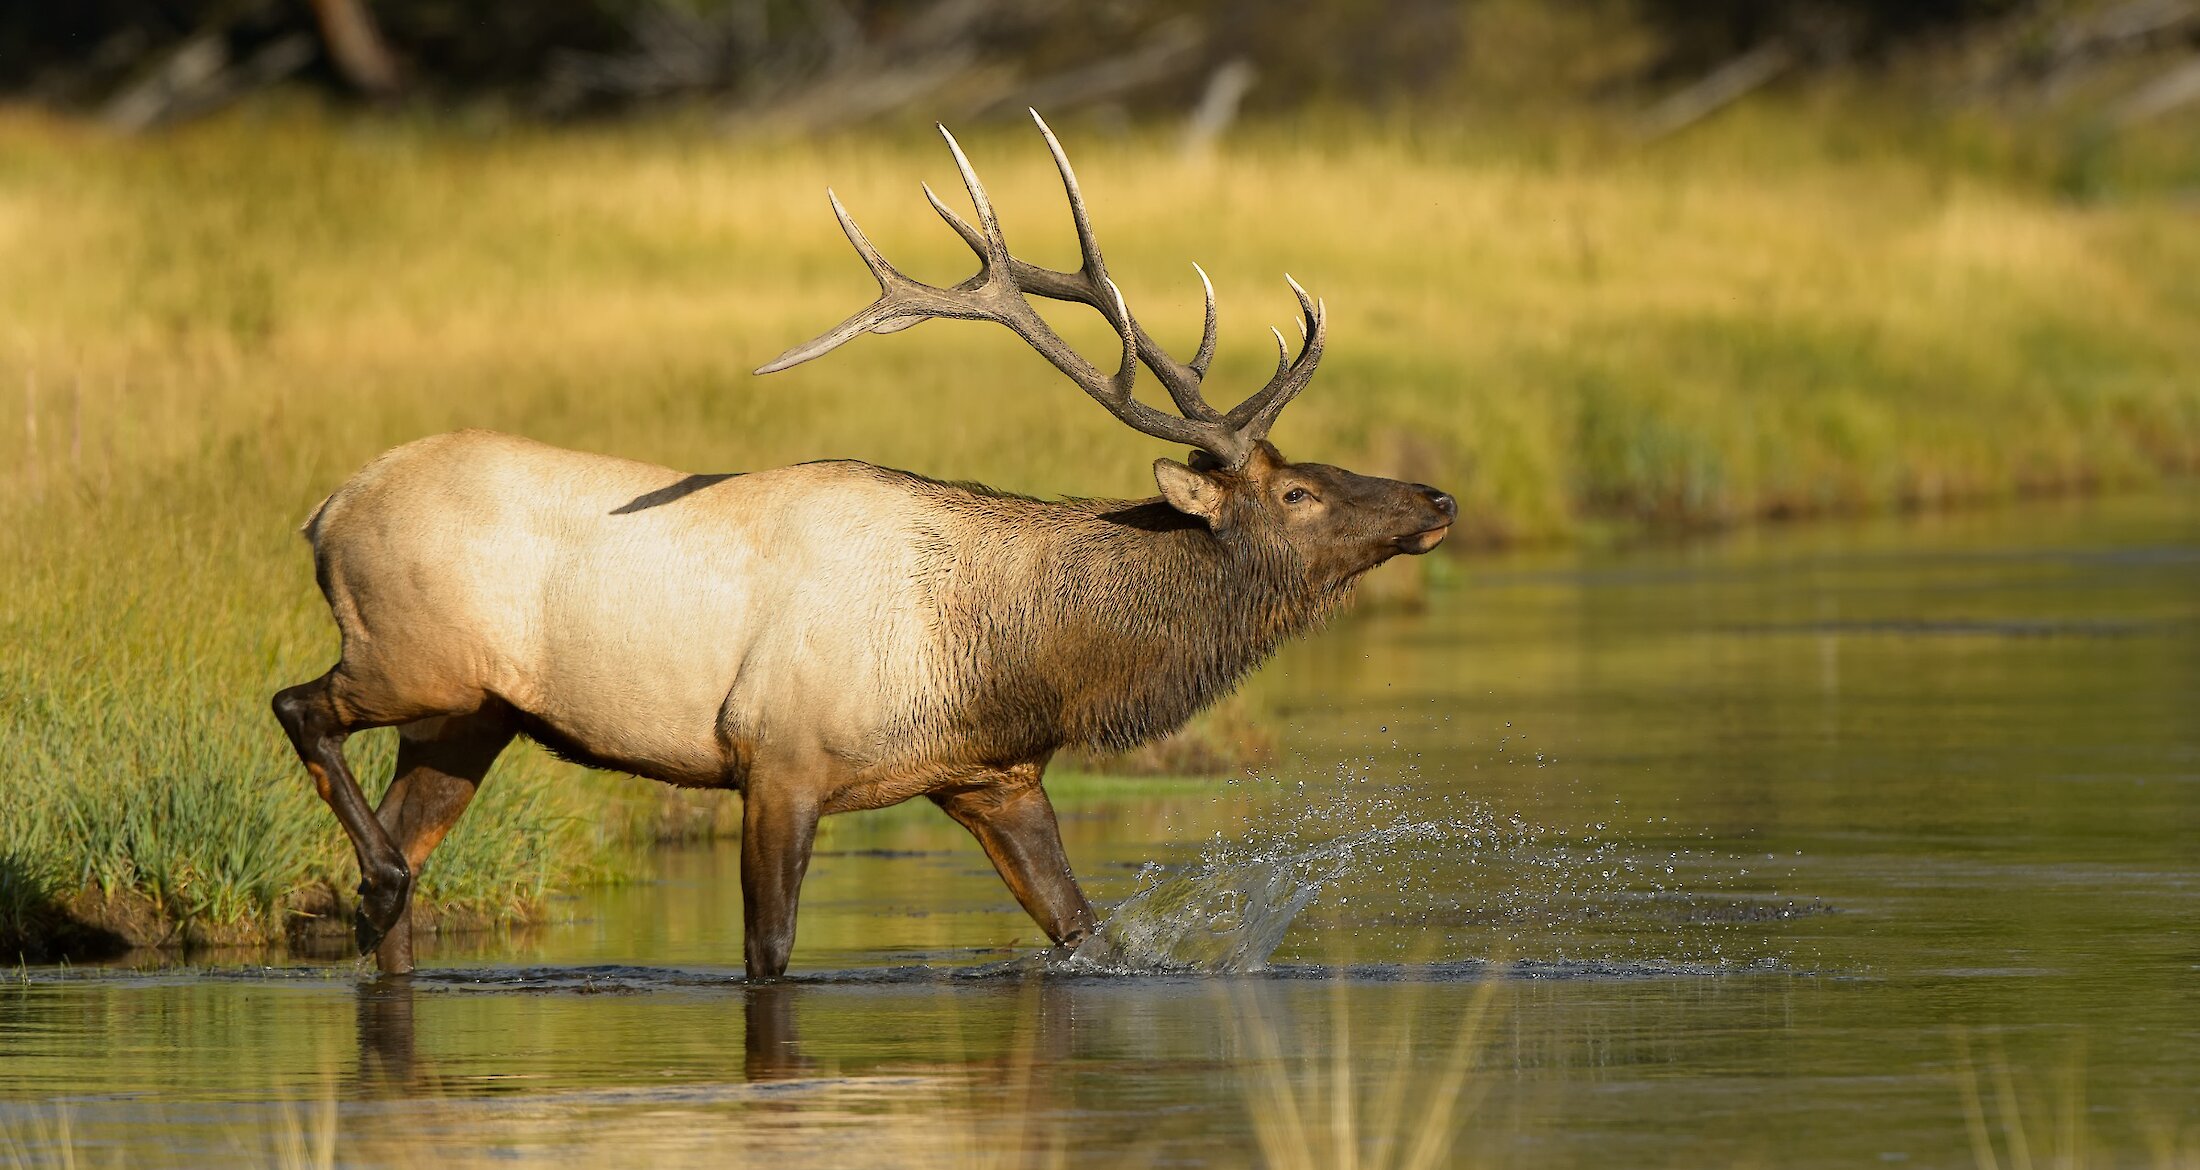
x,y
776,612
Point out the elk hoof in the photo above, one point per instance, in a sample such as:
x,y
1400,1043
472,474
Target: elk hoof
x,y
381,904
369,935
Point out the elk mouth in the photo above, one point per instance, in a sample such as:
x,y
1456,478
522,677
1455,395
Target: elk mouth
x,y
1424,540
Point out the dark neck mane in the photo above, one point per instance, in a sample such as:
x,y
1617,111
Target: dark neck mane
x,y
1097,623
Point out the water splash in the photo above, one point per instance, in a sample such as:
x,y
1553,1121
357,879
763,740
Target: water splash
x,y
1384,858
1229,912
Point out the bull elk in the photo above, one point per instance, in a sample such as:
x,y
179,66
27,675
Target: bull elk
x,y
829,636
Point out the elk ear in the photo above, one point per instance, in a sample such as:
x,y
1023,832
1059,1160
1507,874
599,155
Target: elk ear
x,y
1188,491
1203,461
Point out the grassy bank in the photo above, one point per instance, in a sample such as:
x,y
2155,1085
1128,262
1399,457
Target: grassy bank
x,y
202,334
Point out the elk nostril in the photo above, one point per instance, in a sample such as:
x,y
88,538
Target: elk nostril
x,y
1443,501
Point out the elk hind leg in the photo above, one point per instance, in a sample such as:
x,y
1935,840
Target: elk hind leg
x,y
440,765
318,726
1014,822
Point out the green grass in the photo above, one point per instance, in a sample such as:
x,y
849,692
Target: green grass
x,y
1793,312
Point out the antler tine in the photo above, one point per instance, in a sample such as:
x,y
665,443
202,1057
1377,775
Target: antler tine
x,y
1117,398
880,269
989,227
887,314
1181,381
1088,245
1306,306
1252,417
970,235
1206,354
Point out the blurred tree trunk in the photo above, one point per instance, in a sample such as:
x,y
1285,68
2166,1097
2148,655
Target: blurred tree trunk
x,y
355,46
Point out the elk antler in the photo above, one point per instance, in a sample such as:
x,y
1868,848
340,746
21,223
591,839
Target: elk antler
x,y
996,294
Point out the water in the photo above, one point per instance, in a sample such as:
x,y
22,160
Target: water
x,y
1798,848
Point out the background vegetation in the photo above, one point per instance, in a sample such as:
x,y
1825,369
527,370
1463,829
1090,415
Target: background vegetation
x,y
806,63
1834,298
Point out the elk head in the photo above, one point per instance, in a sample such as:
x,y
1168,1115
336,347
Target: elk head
x,y
1338,524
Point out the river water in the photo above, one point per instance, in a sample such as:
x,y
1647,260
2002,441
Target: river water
x,y
1858,844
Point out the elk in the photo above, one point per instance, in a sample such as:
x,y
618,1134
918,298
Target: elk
x,y
829,636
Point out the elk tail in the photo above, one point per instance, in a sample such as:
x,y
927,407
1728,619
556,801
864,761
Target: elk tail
x,y
311,529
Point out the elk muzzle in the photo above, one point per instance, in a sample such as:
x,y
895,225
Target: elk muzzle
x,y
1445,509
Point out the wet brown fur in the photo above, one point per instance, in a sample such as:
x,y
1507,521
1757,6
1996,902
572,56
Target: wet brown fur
x,y
1119,622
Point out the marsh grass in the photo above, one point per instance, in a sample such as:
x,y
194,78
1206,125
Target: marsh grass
x,y
195,829
2012,1129
152,800
1331,1113
203,333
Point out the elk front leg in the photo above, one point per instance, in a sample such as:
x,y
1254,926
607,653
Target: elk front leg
x,y
1015,824
317,732
777,829
440,765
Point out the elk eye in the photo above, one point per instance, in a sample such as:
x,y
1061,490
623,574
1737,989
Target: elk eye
x,y
1295,496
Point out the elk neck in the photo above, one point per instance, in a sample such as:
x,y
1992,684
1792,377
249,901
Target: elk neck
x,y
1098,623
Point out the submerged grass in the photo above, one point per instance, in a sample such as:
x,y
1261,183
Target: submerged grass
x,y
206,332
2004,1131
1338,1116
